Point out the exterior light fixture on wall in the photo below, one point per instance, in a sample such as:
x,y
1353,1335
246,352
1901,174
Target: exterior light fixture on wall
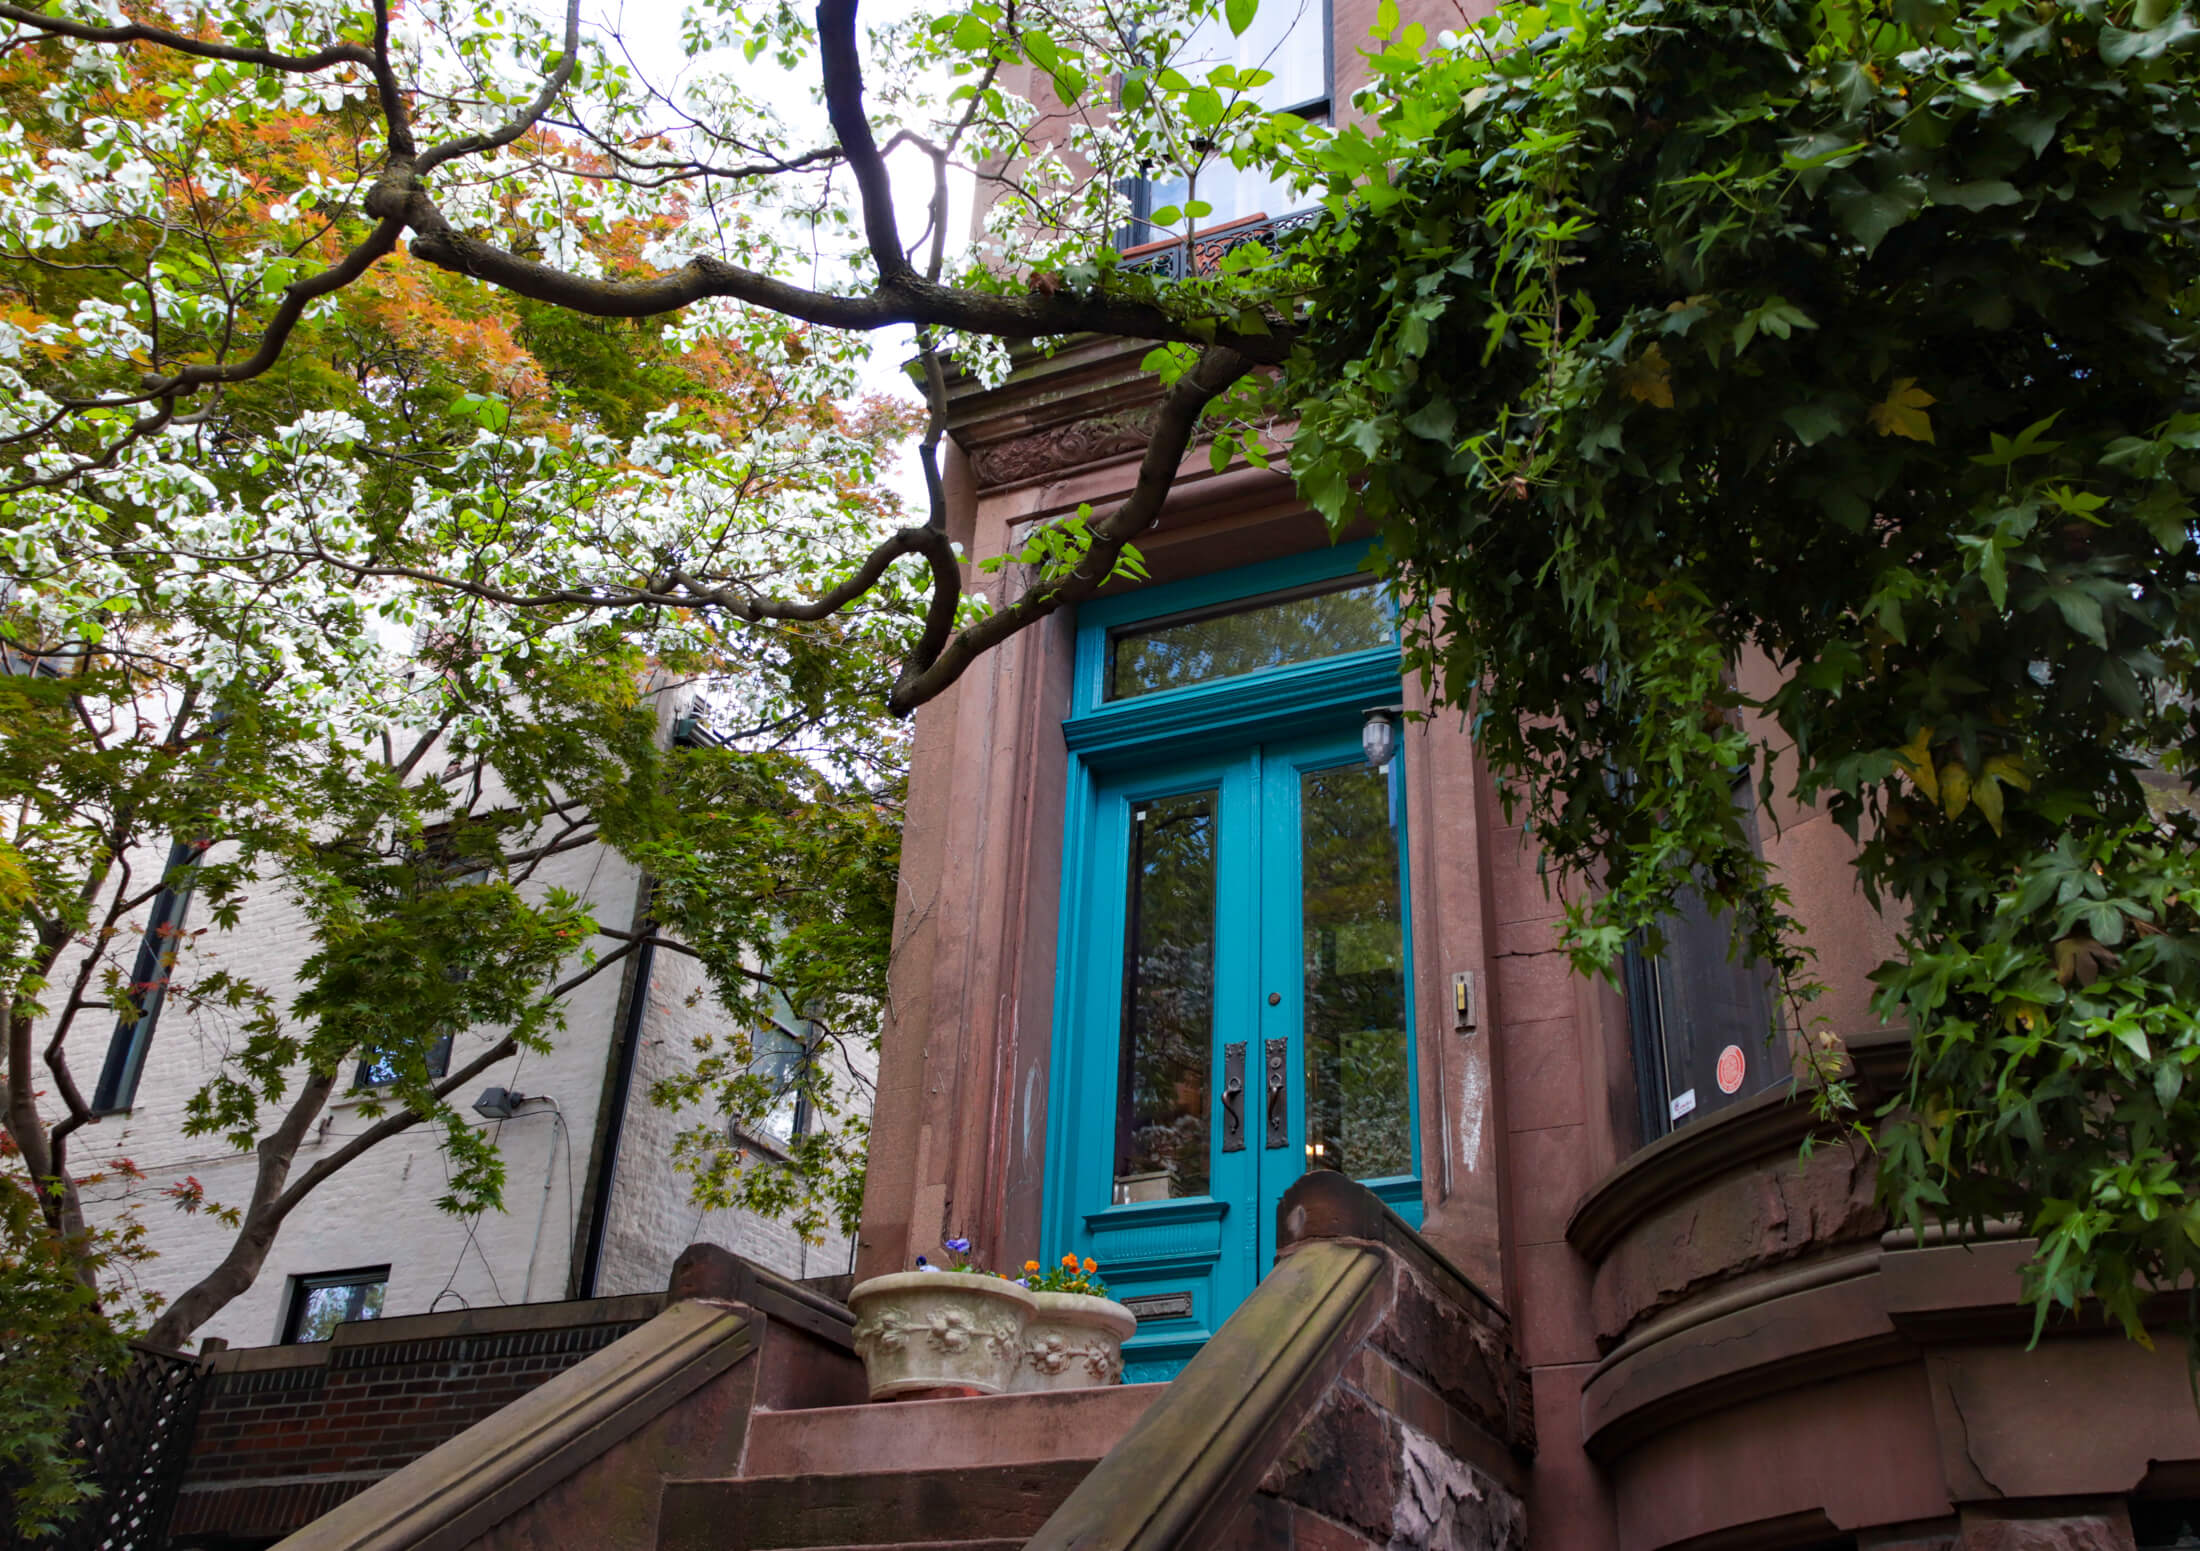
x,y
1379,735
499,1103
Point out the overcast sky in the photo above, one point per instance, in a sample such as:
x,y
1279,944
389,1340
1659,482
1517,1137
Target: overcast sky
x,y
652,35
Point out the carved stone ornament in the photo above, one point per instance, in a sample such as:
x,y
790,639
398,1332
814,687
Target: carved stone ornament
x,y
1074,1342
940,1330
1059,448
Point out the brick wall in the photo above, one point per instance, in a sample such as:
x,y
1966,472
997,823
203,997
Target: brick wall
x,y
288,1432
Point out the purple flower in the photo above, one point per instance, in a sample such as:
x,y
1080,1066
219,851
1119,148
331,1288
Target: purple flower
x,y
959,1246
1023,1281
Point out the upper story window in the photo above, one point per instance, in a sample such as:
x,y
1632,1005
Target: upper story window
x,y
148,987
319,1303
1701,1021
378,1065
1290,40
1327,620
782,1058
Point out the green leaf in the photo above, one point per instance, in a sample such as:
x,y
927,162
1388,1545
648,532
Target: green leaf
x,y
972,35
1239,14
1434,420
1993,570
1987,795
1868,215
2119,47
2081,613
1812,423
1980,195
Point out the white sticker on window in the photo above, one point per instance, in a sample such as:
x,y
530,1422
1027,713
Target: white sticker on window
x,y
1684,1105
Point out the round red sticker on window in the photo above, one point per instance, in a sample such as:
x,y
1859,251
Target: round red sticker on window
x,y
1731,1067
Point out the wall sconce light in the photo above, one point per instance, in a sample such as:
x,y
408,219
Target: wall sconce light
x,y
499,1103
1379,735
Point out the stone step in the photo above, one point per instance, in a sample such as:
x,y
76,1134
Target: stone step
x,y
951,1506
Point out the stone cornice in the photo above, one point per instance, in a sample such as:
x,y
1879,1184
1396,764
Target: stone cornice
x,y
1085,403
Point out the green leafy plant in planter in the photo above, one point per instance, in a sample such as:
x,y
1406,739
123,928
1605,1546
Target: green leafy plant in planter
x,y
1813,391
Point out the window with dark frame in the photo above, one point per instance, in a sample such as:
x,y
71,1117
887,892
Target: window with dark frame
x,y
1702,1022
378,1068
438,849
782,1058
1291,40
116,1089
322,1301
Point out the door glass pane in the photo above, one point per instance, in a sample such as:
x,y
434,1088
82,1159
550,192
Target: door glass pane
x,y
1358,1091
1270,634
1168,1000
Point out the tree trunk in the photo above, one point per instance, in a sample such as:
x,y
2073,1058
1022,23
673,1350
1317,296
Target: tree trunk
x,y
270,1204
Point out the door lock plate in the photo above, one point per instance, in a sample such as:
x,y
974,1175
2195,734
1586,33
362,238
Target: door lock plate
x,y
1279,1117
1233,1097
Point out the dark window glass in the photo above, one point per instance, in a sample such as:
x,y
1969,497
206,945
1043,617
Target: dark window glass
x,y
148,989
1273,633
1168,1000
1702,1022
318,1304
1359,1106
378,1068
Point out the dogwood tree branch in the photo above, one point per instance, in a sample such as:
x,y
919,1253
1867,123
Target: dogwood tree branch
x,y
522,121
185,43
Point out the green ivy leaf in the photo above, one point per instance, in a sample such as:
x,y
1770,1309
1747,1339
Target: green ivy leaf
x,y
1812,423
1868,215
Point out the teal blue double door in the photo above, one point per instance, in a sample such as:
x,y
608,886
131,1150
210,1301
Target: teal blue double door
x,y
1235,1004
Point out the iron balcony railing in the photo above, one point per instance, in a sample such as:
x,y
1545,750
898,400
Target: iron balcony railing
x,y
1182,258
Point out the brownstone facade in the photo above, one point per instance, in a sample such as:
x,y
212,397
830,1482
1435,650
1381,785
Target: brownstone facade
x,y
1729,1346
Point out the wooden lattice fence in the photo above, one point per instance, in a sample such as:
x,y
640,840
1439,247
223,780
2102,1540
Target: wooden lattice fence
x,y
134,1435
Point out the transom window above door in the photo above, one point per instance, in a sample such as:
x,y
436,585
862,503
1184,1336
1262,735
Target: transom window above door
x,y
1304,625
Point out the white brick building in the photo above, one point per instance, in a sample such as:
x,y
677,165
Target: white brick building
x,y
593,1202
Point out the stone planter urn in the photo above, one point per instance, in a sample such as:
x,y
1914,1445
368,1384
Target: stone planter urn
x,y
1074,1342
940,1330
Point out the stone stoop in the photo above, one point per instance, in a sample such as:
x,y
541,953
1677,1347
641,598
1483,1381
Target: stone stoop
x,y
1364,1397
981,1472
